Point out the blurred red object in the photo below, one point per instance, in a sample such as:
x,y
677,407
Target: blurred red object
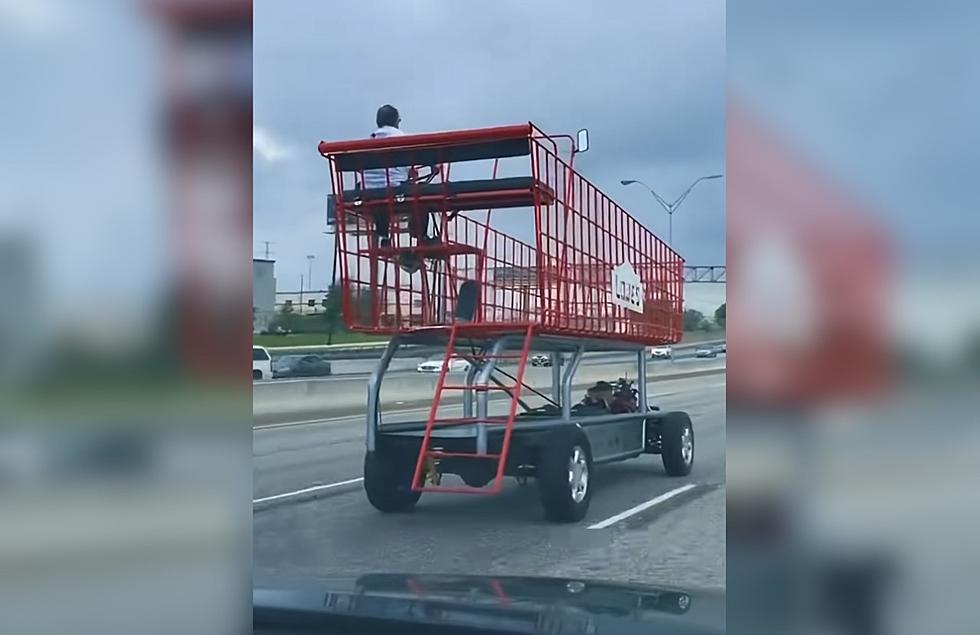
x,y
208,122
199,11
808,276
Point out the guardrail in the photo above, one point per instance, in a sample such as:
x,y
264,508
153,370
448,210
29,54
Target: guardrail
x,y
354,346
336,396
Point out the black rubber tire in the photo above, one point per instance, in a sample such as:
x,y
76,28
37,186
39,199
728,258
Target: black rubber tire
x,y
552,475
388,483
672,426
256,374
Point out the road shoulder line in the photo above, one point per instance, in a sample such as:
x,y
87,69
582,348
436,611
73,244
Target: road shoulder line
x,y
305,491
636,509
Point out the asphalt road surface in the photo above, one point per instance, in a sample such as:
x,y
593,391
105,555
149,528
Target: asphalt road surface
x,y
679,541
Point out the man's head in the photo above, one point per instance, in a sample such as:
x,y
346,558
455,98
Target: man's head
x,y
388,116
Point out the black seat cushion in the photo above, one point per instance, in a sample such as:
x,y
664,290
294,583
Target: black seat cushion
x,y
437,189
422,155
467,300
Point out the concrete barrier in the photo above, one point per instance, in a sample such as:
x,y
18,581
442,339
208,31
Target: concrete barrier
x,y
338,396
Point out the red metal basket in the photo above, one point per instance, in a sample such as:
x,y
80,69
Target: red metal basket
x,y
534,244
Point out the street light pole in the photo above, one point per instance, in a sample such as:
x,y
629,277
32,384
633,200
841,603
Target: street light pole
x,y
671,207
309,270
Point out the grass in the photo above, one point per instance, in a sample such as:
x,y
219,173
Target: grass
x,y
693,337
314,339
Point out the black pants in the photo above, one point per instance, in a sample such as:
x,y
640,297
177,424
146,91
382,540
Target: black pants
x,y
418,223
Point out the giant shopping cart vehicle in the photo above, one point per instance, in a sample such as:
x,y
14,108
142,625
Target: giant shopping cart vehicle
x,y
487,245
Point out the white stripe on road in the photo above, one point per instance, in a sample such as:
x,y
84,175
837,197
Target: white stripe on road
x,y
306,490
289,424
642,506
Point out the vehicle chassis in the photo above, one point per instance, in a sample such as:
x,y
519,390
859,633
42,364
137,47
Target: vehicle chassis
x,y
612,437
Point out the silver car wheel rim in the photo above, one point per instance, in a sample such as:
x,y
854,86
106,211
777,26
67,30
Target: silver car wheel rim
x,y
578,474
687,445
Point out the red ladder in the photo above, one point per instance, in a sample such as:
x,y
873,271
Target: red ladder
x,y
426,454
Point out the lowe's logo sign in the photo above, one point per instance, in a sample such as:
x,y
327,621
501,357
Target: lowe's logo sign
x,y
627,289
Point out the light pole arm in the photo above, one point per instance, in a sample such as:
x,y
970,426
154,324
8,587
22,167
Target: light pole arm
x,y
662,202
680,199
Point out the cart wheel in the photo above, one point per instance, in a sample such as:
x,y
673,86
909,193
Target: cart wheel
x,y
388,483
563,475
677,443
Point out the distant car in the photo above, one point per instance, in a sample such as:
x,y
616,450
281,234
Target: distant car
x,y
722,348
456,365
541,360
261,363
661,352
706,351
304,366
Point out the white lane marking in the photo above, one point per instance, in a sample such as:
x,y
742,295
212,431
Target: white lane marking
x,y
287,424
310,422
642,506
305,490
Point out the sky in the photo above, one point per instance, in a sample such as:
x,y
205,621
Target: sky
x,y
80,156
647,78
881,97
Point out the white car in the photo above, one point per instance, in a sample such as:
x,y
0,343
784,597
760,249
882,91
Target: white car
x,y
261,363
541,360
661,352
456,365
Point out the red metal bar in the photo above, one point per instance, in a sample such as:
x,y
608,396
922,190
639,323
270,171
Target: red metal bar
x,y
515,398
463,455
457,489
559,283
433,410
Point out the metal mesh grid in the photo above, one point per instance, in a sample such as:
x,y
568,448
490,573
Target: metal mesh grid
x,y
534,251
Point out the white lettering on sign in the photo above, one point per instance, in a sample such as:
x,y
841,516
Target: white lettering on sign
x,y
627,289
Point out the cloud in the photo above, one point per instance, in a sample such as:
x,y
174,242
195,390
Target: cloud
x,y
268,147
34,17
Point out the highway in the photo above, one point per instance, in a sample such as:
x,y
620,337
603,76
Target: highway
x,y
350,366
311,517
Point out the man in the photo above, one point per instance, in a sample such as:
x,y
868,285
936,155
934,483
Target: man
x,y
388,120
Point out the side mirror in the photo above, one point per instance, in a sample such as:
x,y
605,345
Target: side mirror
x,y
582,140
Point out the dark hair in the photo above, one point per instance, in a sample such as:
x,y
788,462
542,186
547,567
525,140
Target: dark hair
x,y
388,116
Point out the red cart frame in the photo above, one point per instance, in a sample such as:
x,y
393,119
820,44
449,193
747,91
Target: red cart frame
x,y
535,257
542,247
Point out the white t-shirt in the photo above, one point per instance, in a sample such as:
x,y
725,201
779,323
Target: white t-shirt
x,y
396,176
